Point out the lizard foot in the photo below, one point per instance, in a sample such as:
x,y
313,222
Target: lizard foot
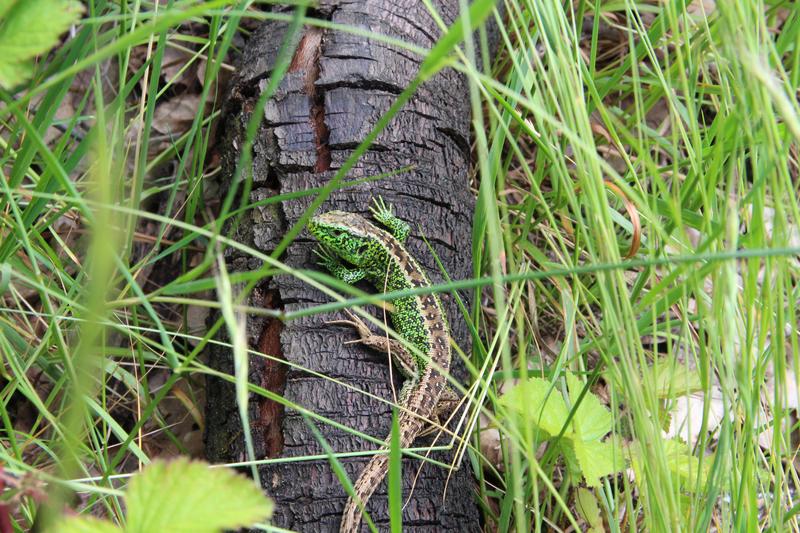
x,y
398,352
365,334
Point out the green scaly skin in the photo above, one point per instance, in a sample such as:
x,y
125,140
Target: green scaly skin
x,y
352,248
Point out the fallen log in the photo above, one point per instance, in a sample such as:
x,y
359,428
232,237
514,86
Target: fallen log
x,y
337,86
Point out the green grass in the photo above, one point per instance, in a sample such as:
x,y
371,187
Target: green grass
x,y
593,112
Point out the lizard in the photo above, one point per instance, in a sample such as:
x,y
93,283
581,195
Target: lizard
x,y
352,248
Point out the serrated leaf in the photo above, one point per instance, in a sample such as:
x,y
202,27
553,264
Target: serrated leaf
x,y
83,524
668,378
187,496
536,402
29,28
592,421
597,459
570,459
12,72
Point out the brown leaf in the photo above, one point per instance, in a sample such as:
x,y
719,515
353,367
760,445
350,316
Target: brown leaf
x,y
175,116
174,69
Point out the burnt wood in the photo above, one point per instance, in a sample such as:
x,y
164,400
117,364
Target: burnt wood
x,y
337,87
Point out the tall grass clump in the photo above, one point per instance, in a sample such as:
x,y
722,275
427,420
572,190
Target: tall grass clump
x,y
640,187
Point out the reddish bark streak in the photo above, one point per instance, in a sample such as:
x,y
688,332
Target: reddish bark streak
x,y
273,378
306,59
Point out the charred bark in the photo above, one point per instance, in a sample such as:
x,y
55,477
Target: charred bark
x,y
337,86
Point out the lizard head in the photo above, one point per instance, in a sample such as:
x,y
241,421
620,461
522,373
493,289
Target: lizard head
x,y
349,236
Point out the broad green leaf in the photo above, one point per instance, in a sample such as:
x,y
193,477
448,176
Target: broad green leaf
x,y
589,509
83,524
592,420
597,459
29,28
12,72
570,459
188,496
6,5
536,402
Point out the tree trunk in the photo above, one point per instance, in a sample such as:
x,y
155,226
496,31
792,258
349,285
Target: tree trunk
x,y
337,87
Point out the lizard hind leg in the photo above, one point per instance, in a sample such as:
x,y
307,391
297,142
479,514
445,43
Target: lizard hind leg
x,y
400,355
448,402
445,407
384,213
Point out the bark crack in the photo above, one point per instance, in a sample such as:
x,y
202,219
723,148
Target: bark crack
x,y
273,378
307,59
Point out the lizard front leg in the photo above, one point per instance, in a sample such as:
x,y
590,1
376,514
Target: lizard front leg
x,y
384,213
335,267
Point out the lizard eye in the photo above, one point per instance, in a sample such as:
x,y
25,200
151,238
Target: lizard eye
x,y
362,249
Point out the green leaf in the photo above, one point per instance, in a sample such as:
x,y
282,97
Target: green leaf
x,y
83,524
184,496
536,402
683,466
570,459
682,463
669,379
674,379
5,6
12,73
597,459
29,28
589,509
591,420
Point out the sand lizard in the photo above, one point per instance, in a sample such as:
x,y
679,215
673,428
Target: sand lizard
x,y
352,248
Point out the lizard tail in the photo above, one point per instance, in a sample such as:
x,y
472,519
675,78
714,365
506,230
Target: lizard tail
x,y
373,474
367,482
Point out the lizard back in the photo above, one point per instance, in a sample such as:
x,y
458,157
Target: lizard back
x,y
419,319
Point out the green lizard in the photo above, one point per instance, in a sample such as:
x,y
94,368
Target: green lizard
x,y
352,248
